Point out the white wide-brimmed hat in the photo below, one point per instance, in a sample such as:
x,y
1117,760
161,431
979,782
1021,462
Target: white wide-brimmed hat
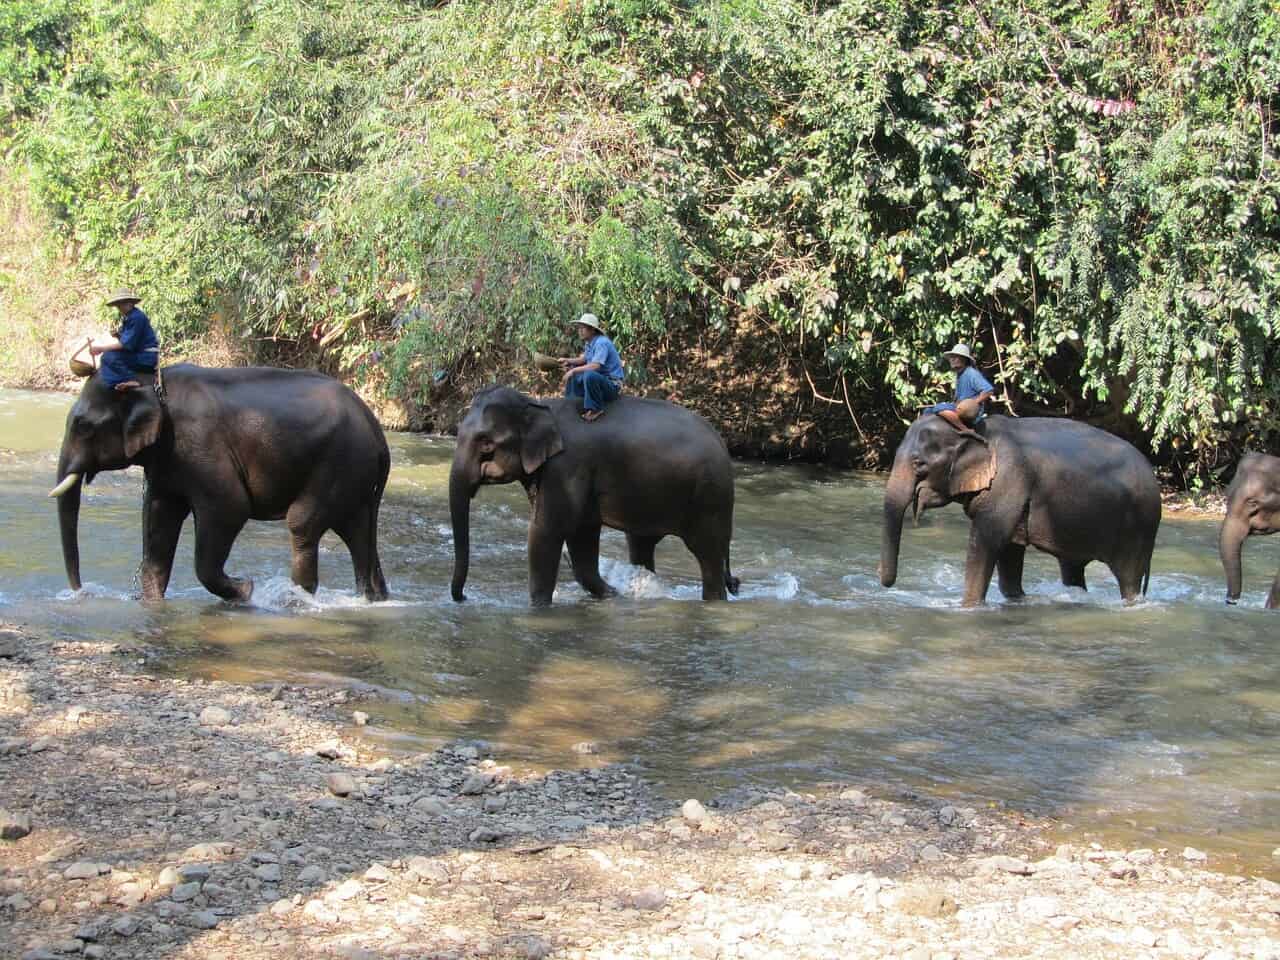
x,y
590,320
960,350
122,295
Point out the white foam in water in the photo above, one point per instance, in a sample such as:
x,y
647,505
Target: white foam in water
x,y
281,593
636,582
781,586
92,591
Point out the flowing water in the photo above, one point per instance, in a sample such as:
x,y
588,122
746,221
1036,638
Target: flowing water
x,y
1152,725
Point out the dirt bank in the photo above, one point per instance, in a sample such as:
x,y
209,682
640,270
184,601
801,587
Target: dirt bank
x,y
208,820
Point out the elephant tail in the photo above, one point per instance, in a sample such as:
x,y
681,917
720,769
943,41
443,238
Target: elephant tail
x,y
376,586
731,583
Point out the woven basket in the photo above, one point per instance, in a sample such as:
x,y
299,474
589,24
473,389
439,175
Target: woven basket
x,y
544,362
79,367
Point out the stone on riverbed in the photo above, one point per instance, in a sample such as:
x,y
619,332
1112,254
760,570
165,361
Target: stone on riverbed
x,y
215,717
341,784
14,826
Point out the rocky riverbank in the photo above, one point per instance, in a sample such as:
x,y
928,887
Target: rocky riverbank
x,y
150,817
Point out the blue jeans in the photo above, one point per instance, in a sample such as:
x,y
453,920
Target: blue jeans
x,y
948,405
117,366
594,387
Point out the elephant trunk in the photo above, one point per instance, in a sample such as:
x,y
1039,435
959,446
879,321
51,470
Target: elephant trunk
x,y
68,494
899,494
1230,541
461,490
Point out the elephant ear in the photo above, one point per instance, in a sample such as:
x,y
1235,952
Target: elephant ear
x,y
541,438
143,421
974,466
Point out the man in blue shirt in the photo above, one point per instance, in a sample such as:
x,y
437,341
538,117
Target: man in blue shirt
x,y
972,391
596,376
132,349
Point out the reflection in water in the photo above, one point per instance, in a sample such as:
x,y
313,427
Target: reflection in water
x,y
1162,716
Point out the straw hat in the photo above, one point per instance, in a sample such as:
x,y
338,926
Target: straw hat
x,y
590,320
960,350
122,295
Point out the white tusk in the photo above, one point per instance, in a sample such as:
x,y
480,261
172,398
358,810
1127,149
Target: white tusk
x,y
69,481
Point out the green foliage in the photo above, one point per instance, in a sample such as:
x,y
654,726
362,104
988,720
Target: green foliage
x,y
1086,192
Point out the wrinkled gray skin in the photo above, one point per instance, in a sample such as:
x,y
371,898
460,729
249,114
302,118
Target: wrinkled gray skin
x,y
230,446
1253,509
1066,488
648,467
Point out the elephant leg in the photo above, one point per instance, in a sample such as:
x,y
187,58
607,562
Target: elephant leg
x,y
544,565
712,557
1128,573
161,526
1072,573
1273,598
305,531
360,533
979,565
1009,568
640,550
584,554
216,531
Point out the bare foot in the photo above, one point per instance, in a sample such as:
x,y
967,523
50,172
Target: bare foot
x,y
592,415
127,385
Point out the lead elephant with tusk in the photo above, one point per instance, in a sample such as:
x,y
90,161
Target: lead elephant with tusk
x,y
228,446
1253,510
1066,488
649,468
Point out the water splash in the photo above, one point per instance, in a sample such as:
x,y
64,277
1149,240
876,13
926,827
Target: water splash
x,y
91,591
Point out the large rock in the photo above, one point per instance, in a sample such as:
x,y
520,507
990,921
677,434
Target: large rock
x,y
693,811
14,826
341,784
921,901
476,784
215,717
428,870
431,807
85,870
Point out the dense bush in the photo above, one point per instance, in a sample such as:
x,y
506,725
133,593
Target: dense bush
x,y
1087,191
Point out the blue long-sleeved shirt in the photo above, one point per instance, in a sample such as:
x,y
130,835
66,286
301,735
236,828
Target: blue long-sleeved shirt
x,y
602,351
138,341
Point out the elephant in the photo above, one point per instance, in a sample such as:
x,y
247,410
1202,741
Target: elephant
x,y
1066,488
1253,509
648,468
227,446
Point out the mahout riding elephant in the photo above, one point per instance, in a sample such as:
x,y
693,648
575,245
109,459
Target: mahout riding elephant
x,y
1253,509
231,445
648,468
1066,488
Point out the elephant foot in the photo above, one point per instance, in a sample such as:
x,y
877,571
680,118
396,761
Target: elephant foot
x,y
238,591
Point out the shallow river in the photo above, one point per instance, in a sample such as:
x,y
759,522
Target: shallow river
x,y
1154,725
